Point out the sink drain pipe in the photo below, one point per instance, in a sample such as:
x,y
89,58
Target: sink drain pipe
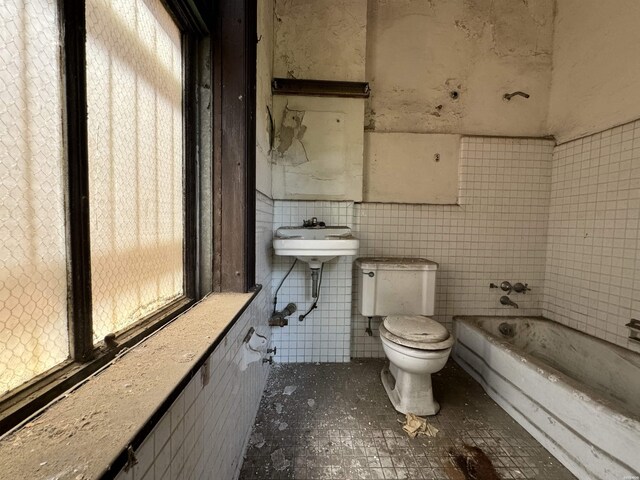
x,y
314,282
316,279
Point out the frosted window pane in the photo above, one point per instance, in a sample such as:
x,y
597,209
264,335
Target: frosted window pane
x,y
33,276
134,83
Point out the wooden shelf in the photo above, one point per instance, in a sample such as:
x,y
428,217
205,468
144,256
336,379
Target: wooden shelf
x,y
319,88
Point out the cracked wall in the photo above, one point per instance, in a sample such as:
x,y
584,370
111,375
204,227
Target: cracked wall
x,y
264,103
434,66
318,151
321,40
318,148
443,66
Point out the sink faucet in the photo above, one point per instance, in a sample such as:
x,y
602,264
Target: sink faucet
x,y
313,223
504,300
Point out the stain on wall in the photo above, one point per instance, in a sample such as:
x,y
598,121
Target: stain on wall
x,y
443,66
264,103
318,149
321,40
434,66
319,140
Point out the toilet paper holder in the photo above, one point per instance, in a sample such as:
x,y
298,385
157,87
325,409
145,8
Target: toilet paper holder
x,y
634,330
249,336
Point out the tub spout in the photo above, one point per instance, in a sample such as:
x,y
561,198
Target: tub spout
x,y
504,300
509,96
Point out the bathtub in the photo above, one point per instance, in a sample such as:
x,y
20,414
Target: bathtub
x,y
577,395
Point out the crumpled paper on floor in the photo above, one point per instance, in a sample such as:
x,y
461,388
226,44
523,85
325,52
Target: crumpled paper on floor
x,y
415,426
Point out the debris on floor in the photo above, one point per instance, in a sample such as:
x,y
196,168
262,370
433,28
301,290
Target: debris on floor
x,y
257,440
278,408
470,463
352,430
415,426
289,389
278,461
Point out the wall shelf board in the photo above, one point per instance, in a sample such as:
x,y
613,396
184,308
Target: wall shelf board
x,y
319,88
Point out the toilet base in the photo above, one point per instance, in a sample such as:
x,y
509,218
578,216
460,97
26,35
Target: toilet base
x,y
409,393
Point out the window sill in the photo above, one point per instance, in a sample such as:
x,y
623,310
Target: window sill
x,y
86,433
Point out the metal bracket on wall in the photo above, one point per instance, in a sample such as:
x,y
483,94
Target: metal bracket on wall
x,y
319,88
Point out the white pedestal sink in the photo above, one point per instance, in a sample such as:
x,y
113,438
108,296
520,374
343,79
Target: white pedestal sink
x,y
315,245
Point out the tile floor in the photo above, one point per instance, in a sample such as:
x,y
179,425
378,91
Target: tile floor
x,y
339,424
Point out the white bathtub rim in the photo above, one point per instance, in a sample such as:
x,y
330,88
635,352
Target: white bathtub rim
x,y
621,431
589,395
565,457
625,428
562,455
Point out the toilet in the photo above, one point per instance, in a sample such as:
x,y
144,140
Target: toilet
x,y
403,291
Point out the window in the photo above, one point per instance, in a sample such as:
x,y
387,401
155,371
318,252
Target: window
x,y
98,173
33,272
135,150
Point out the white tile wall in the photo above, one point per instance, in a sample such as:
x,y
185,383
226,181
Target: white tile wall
x,y
324,336
511,194
498,232
593,266
205,432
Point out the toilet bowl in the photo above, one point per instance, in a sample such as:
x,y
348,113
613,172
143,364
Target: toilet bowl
x,y
412,361
403,291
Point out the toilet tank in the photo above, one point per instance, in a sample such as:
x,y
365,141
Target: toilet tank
x,y
394,285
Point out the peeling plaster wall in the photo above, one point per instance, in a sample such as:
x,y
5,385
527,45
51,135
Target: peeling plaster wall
x,y
320,40
595,67
420,51
264,101
319,141
318,149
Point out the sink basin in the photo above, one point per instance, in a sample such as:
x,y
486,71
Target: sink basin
x,y
315,245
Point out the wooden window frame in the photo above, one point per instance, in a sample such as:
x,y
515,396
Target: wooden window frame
x,y
219,173
234,140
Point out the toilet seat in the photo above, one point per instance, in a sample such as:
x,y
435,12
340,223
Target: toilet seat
x,y
416,331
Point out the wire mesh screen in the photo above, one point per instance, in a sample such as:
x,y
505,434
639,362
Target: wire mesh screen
x,y
33,276
134,83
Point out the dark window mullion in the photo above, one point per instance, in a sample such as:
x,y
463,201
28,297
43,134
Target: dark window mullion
x,y
190,169
77,163
251,45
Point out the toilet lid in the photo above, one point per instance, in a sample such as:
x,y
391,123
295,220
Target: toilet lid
x,y
416,328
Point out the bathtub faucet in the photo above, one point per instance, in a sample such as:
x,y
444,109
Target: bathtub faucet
x,y
504,300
